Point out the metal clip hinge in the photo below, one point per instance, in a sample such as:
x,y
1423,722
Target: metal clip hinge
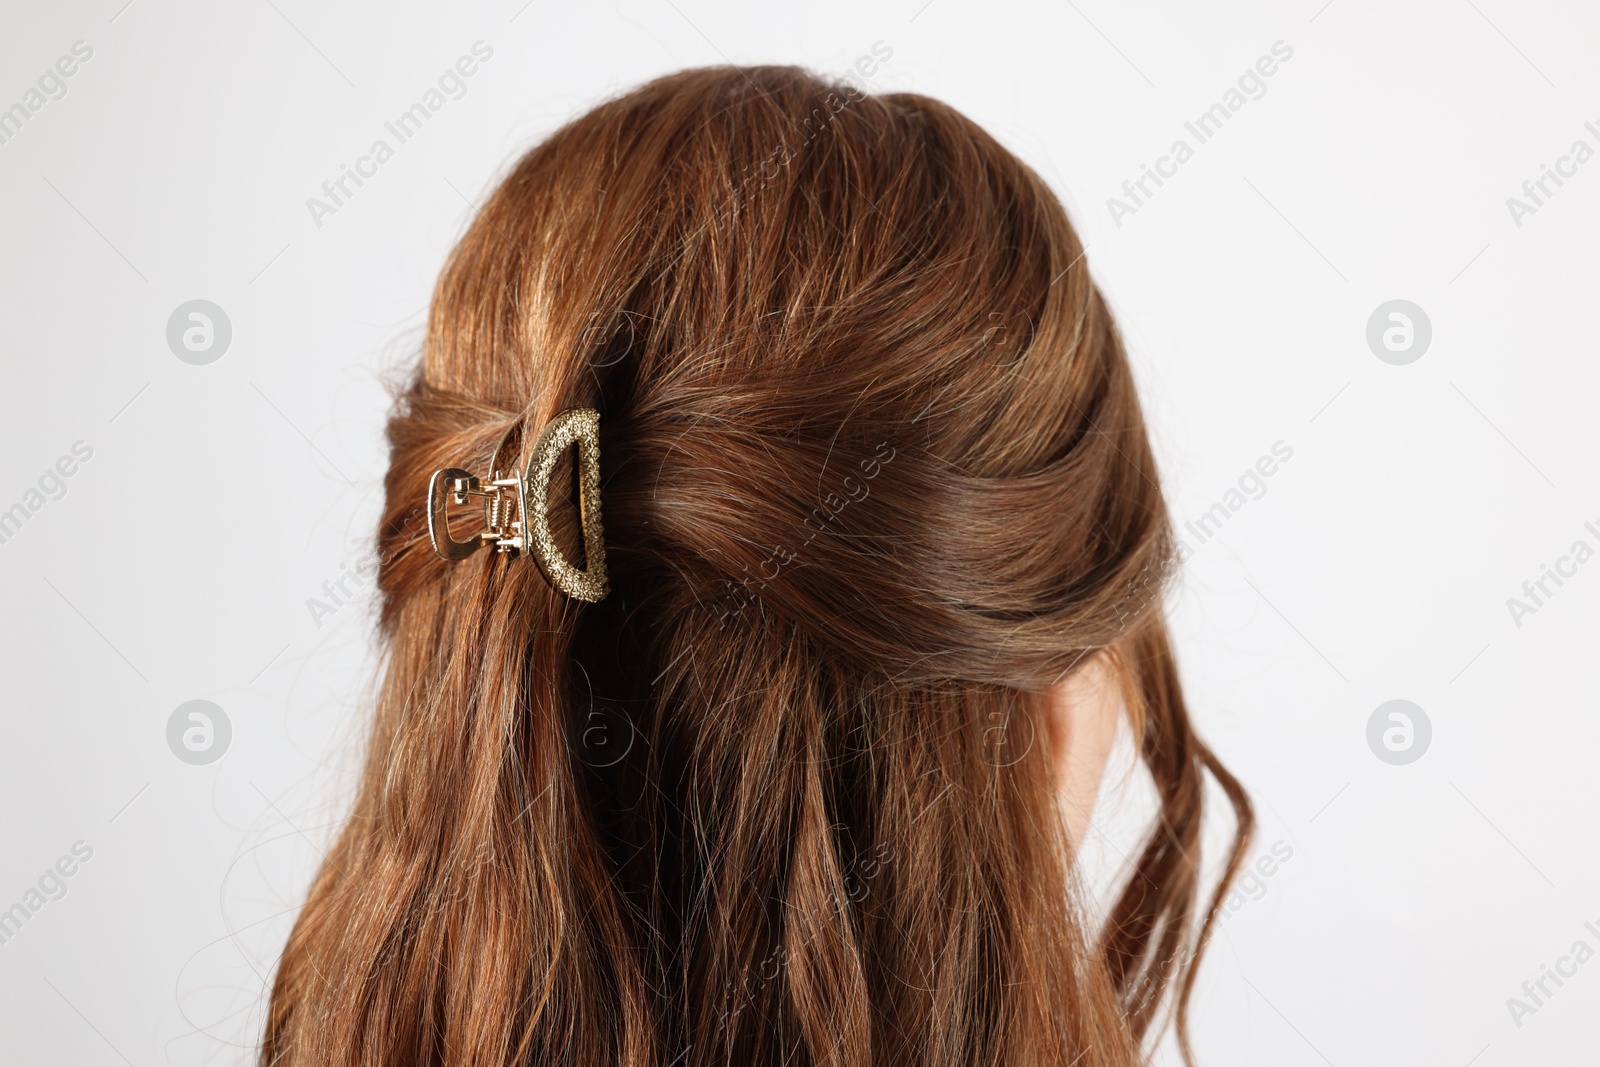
x,y
503,515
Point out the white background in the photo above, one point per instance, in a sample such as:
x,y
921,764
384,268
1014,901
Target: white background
x,y
1376,566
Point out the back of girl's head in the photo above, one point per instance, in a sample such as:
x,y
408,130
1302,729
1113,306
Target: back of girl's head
x,y
874,477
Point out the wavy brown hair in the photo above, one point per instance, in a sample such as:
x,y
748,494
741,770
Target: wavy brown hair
x,y
874,478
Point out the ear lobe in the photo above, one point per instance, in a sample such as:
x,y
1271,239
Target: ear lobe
x,y
1085,708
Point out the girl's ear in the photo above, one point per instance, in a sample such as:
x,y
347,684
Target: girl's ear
x,y
1084,708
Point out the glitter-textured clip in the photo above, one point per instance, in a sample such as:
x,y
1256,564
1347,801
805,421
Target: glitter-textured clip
x,y
515,515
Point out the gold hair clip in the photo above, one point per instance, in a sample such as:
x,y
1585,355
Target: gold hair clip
x,y
515,515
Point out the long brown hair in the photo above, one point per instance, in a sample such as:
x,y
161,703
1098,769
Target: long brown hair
x,y
874,477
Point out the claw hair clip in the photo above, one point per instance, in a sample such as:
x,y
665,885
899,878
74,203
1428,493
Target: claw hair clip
x,y
515,515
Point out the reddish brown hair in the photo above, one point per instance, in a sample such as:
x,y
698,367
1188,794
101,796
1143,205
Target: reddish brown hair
x,y
875,476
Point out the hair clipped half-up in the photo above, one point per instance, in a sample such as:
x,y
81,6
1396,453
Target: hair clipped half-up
x,y
874,477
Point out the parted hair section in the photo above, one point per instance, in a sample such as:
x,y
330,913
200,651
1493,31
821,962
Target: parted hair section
x,y
874,477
